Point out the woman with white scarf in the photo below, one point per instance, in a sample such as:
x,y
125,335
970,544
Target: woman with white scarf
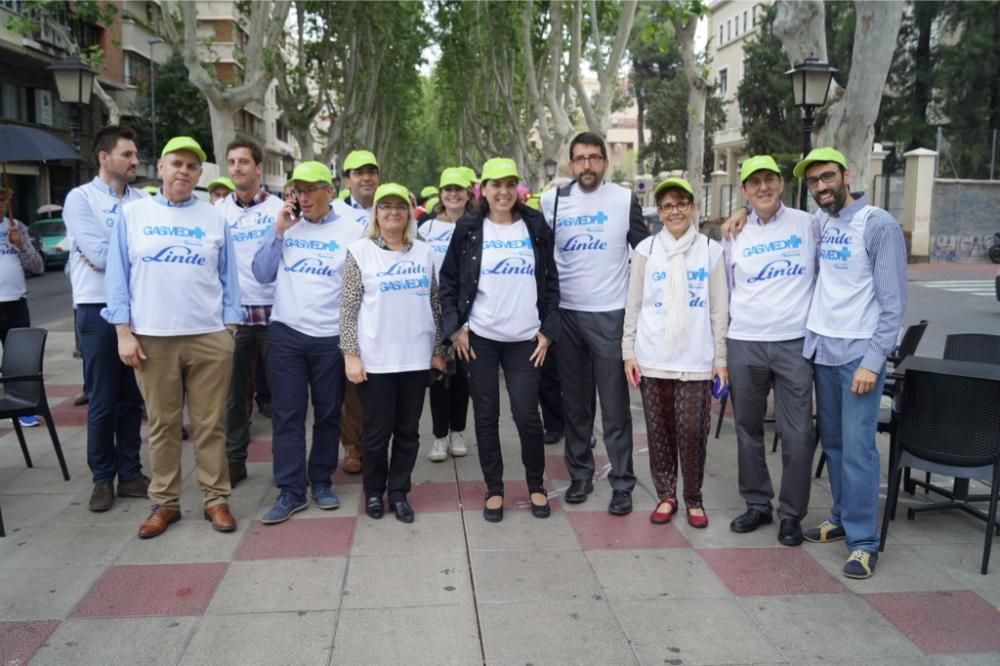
x,y
674,345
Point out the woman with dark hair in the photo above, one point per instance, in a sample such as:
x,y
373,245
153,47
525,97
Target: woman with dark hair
x,y
499,309
674,342
449,398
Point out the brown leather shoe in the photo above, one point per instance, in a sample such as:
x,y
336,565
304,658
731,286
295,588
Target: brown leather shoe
x,y
222,520
352,465
134,487
237,472
158,521
103,497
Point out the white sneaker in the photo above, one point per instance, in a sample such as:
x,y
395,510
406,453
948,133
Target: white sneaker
x,y
456,445
439,450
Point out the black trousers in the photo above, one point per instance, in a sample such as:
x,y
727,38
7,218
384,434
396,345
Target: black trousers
x,y
550,395
13,314
391,403
523,380
450,403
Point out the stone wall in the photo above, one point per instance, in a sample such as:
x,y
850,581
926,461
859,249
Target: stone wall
x,y
966,214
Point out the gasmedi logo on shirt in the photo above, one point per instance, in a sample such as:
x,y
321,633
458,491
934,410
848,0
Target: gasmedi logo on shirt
x,y
838,255
793,242
597,220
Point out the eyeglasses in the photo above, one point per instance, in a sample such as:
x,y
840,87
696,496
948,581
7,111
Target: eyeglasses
x,y
583,159
309,190
681,207
756,182
392,208
827,177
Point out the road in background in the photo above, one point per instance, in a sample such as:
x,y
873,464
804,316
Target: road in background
x,y
50,301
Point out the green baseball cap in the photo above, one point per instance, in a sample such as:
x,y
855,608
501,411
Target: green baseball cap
x,y
150,189
431,203
313,172
359,158
225,181
826,154
679,183
428,191
758,163
470,174
392,190
343,194
455,176
499,168
179,143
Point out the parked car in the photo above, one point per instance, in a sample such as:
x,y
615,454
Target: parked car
x,y
55,244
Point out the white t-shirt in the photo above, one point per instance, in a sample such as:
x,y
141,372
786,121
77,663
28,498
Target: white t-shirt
x,y
12,284
247,228
310,274
651,350
506,305
773,271
437,234
395,322
591,246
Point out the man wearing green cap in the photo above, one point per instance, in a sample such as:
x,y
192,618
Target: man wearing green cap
x,y
250,213
771,267
173,295
362,175
303,255
219,189
853,324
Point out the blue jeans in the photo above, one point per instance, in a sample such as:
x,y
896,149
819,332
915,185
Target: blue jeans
x,y
301,365
847,426
114,413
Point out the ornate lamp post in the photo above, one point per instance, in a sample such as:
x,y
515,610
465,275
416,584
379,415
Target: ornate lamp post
x,y
810,87
74,85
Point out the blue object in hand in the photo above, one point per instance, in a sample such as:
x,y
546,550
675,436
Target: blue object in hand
x,y
719,389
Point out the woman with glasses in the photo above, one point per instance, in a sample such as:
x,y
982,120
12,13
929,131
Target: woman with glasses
x,y
449,398
499,300
675,343
391,338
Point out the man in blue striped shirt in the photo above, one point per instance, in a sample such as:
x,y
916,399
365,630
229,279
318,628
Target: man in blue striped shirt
x,y
853,324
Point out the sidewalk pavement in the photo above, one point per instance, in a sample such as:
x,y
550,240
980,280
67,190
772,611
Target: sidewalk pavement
x,y
581,587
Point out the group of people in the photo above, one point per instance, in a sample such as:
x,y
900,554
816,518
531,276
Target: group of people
x,y
353,306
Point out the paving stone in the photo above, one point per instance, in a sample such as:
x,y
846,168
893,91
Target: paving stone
x,y
428,533
155,589
68,546
519,530
600,530
900,568
304,637
192,539
43,593
514,576
433,497
944,622
20,640
962,562
418,579
661,574
420,635
148,641
280,585
473,497
762,571
317,537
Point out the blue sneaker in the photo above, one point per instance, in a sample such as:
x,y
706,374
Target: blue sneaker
x,y
283,509
28,421
325,498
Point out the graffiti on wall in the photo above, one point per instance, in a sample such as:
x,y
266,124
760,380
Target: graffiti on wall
x,y
958,248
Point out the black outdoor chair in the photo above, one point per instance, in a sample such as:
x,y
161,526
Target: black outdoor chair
x,y
24,388
948,424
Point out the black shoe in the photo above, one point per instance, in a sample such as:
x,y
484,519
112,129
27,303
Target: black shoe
x,y
81,399
790,532
375,508
621,503
553,436
541,510
750,520
237,472
264,409
403,511
578,491
492,515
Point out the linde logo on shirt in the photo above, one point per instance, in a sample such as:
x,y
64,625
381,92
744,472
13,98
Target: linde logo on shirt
x,y
405,267
112,215
696,300
512,266
582,220
792,242
252,234
699,275
180,232
581,242
519,244
6,248
311,266
776,269
301,243
176,254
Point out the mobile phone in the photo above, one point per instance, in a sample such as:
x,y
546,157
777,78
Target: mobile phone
x,y
719,389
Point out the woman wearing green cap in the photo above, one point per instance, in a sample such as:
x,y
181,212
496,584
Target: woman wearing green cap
x,y
674,343
449,399
390,334
499,308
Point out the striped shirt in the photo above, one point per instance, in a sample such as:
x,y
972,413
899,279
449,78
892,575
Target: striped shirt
x,y
886,250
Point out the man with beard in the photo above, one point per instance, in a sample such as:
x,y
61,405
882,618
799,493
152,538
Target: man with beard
x,y
594,224
114,415
853,324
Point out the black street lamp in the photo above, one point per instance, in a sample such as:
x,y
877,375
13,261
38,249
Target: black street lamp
x,y
288,164
74,85
550,166
810,86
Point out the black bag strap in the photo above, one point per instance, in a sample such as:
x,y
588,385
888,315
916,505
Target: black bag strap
x,y
560,192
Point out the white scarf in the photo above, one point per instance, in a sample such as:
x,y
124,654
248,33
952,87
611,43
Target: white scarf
x,y
676,290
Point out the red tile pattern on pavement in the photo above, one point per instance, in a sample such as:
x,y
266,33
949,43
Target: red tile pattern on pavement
x,y
67,415
599,530
770,571
62,391
555,466
298,537
259,451
20,640
942,622
152,590
431,497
